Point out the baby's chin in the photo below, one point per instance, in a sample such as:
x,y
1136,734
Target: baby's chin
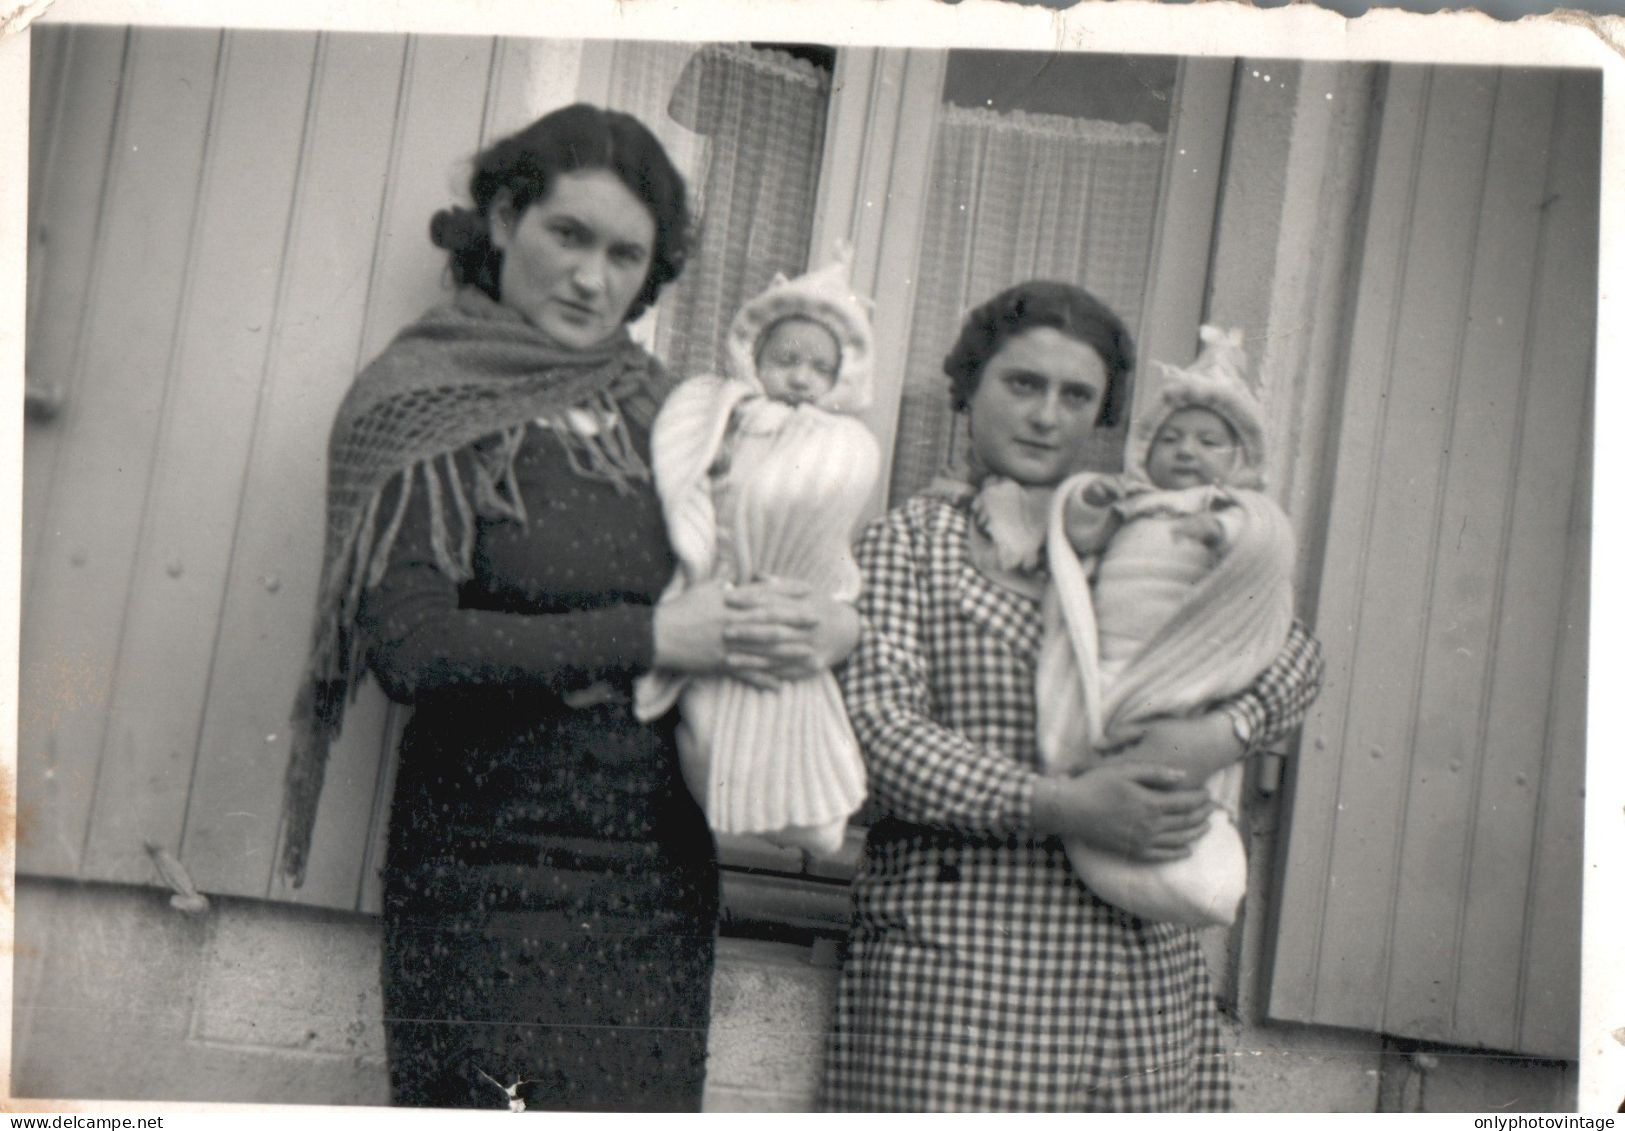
x,y
796,400
1184,482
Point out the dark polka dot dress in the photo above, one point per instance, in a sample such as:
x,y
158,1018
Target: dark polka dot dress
x,y
550,887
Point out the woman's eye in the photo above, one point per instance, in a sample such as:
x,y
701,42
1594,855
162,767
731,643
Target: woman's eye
x,y
1078,396
1023,382
571,234
629,256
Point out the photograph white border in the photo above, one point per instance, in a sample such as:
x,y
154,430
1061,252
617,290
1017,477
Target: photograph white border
x,y
1302,31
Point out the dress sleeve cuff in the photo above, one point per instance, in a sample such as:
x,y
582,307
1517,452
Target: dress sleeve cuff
x,y
638,627
1247,716
1020,793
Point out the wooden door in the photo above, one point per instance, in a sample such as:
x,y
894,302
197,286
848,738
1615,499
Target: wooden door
x,y
226,226
1431,883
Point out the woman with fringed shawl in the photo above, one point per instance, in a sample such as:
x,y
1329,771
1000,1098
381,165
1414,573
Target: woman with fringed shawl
x,y
982,974
494,553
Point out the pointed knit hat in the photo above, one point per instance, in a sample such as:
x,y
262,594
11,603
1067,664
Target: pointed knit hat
x,y
1216,381
823,296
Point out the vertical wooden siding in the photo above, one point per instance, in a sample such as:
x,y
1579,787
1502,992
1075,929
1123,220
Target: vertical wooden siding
x,y
1431,883
225,226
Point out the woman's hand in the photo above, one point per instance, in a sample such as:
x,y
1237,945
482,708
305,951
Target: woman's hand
x,y
1201,746
688,635
785,628
1144,812
763,633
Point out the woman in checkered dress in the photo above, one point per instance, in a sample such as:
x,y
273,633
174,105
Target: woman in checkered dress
x,y
981,974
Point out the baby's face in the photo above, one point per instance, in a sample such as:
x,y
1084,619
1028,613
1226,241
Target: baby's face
x,y
1194,447
797,361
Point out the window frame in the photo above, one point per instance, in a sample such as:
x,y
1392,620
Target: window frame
x,y
872,191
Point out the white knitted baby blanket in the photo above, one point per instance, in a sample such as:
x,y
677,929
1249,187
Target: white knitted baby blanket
x,y
782,763
1230,624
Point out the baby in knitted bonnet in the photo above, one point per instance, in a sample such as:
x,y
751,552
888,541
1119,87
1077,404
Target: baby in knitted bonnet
x,y
765,472
1170,590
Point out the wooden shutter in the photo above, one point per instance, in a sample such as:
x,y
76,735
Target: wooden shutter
x,y
1431,881
225,226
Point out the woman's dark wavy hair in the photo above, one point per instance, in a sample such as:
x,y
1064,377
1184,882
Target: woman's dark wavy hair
x,y
1061,306
575,139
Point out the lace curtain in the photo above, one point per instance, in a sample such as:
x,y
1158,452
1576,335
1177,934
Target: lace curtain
x,y
746,126
1019,196
762,114
642,76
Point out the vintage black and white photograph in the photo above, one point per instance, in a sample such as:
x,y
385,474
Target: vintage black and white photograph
x,y
756,571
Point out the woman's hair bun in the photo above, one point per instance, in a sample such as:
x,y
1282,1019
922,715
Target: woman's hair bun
x,y
458,229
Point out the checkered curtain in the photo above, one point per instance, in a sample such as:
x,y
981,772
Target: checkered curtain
x,y
1019,196
747,124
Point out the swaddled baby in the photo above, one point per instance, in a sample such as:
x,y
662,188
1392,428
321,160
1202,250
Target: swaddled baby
x,y
1171,589
765,472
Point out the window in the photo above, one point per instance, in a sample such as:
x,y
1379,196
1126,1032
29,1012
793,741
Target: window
x,y
1044,166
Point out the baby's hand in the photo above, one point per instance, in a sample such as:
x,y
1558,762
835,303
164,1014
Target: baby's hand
x,y
1086,516
1078,513
1100,493
1206,529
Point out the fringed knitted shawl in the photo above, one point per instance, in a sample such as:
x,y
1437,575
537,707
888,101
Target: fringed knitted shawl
x,y
471,370
1225,631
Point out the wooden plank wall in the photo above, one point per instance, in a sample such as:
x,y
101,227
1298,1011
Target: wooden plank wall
x,y
1431,880
225,226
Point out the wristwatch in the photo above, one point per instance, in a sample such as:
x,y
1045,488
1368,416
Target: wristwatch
x,y
1242,724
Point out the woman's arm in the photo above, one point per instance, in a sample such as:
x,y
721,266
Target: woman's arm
x,y
926,773
420,640
1267,712
1276,704
919,770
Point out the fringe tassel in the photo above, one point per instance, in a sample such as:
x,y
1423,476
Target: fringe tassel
x,y
617,444
493,473
386,541
606,455
510,479
486,497
302,787
465,515
356,559
453,550
437,523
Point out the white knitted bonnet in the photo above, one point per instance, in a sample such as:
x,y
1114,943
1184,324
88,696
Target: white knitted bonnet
x,y
823,296
1216,381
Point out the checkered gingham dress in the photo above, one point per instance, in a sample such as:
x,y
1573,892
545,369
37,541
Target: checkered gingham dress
x,y
981,975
